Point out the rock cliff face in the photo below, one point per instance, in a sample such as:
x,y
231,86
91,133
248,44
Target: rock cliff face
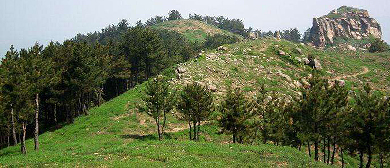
x,y
343,22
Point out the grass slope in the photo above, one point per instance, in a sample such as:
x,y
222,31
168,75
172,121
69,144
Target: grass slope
x,y
193,30
112,136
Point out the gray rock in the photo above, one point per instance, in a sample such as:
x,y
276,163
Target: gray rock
x,y
222,48
297,84
277,35
306,61
305,83
355,23
341,83
351,48
212,88
299,51
181,70
282,53
317,64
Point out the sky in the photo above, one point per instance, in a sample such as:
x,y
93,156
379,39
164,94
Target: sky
x,y
25,22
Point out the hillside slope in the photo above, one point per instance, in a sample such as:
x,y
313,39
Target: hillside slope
x,y
115,135
280,66
193,30
112,136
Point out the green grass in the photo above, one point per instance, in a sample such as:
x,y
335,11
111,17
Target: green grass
x,y
111,136
193,30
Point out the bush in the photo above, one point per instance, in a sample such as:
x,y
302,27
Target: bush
x,y
378,45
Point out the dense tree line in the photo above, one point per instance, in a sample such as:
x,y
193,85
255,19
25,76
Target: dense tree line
x,y
44,86
292,34
326,117
232,25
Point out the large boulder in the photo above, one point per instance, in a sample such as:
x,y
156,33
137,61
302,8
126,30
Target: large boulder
x,y
317,64
181,70
314,63
222,48
351,48
306,61
282,53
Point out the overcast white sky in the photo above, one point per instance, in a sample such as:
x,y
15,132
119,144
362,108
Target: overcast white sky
x,y
24,22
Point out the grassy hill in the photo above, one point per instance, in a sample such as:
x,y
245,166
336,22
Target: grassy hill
x,y
194,30
114,134
249,64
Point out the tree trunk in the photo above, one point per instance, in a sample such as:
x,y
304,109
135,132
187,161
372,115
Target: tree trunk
x,y
13,126
334,152
324,149
361,159
368,165
19,137
381,159
316,150
158,128
80,106
194,128
328,160
234,135
71,113
36,133
8,135
23,141
67,114
85,109
197,136
189,123
308,148
55,114
342,157
164,120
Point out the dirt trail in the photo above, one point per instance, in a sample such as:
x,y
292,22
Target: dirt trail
x,y
181,127
365,70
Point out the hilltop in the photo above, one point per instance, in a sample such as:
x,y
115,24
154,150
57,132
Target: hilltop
x,y
193,30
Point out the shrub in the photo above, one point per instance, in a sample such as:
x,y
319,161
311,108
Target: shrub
x,y
378,45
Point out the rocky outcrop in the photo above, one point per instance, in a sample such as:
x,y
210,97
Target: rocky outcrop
x,y
343,22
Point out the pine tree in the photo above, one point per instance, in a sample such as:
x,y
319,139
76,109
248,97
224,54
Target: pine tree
x,y
174,15
195,105
9,87
365,121
157,102
236,110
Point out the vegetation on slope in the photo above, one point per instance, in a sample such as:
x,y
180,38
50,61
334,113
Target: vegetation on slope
x,y
114,136
194,30
249,64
